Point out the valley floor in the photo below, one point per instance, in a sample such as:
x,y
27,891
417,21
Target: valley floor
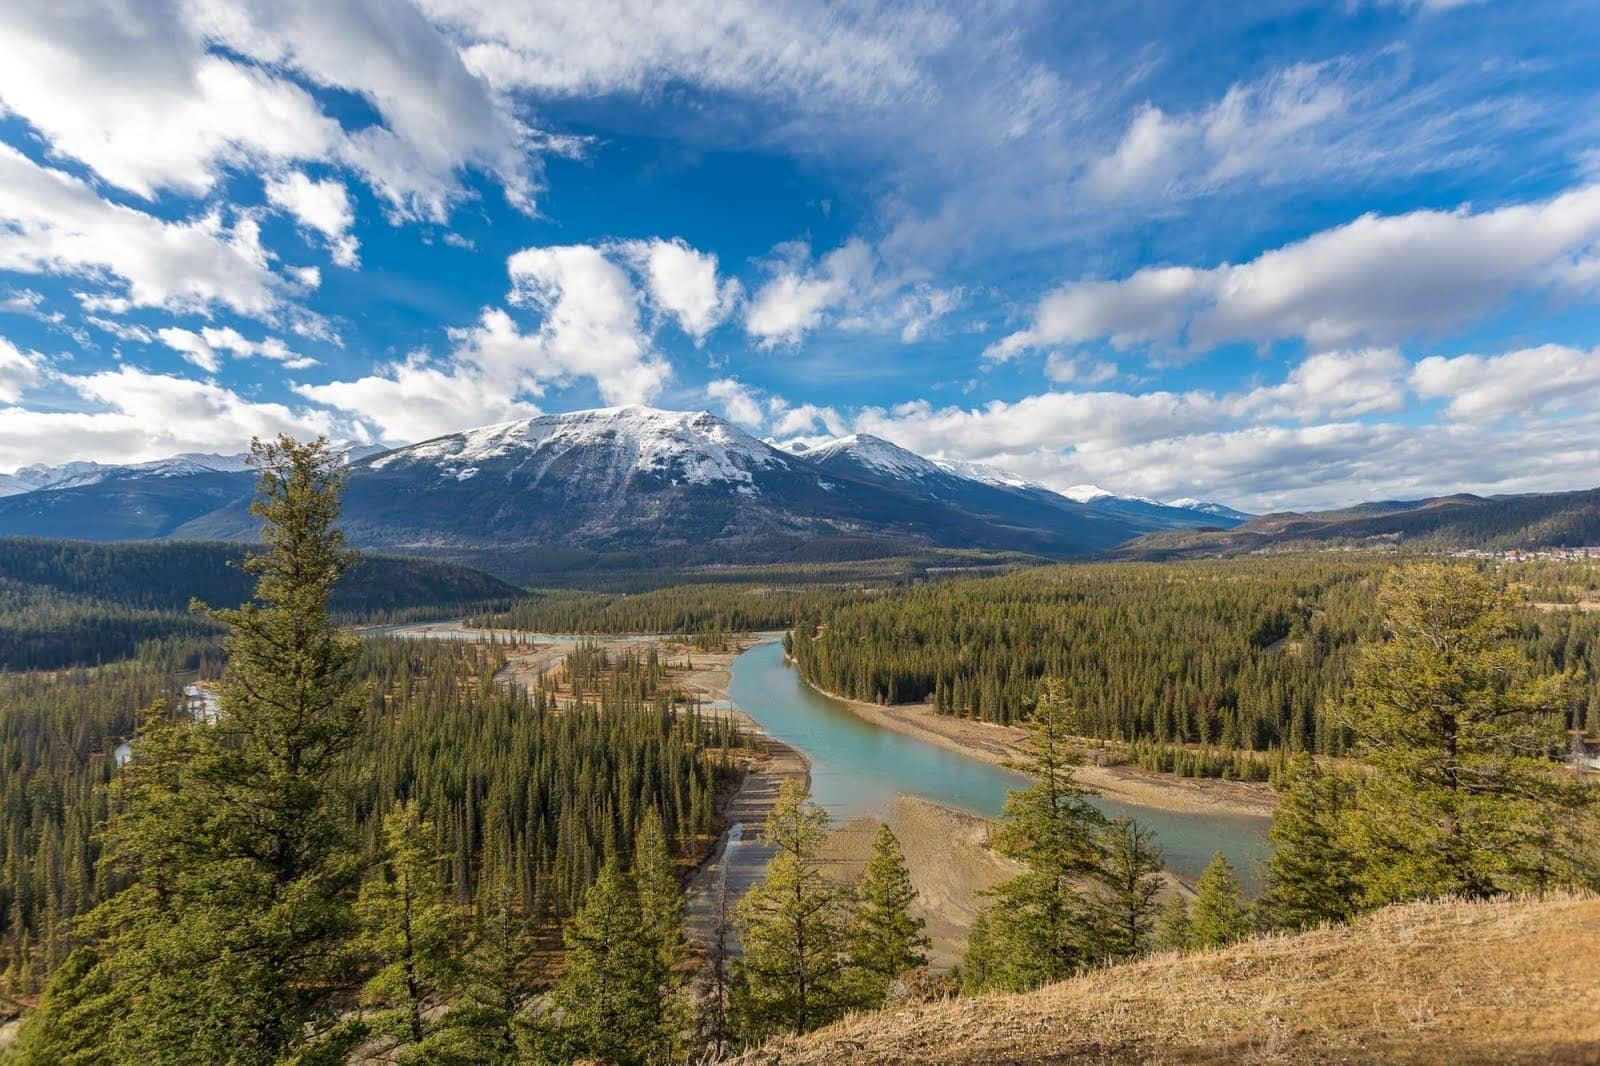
x,y
1506,981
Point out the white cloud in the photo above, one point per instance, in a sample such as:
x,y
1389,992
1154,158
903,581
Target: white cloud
x,y
806,421
1338,385
797,53
143,416
141,94
51,222
1526,383
682,282
588,328
203,348
129,90
19,371
1379,278
412,400
738,402
320,205
794,301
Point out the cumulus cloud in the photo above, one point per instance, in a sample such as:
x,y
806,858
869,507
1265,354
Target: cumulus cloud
x,y
413,399
52,222
682,282
738,402
136,416
794,300
142,95
1379,278
19,371
588,328
205,348
1339,427
1528,382
323,206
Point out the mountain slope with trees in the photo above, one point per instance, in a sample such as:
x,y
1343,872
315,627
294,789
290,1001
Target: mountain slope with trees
x,y
1443,523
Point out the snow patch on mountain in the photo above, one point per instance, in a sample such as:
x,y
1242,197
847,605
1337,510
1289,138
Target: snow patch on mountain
x,y
986,474
39,477
1221,510
695,448
877,454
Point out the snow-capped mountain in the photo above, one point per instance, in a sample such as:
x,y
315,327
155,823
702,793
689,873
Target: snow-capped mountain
x,y
620,486
634,486
39,477
1229,515
997,493
692,448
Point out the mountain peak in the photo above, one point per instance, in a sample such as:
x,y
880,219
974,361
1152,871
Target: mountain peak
x,y
695,447
883,456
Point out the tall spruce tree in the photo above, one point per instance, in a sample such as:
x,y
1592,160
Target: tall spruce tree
x,y
1129,880
1219,916
1040,927
610,1003
888,941
1313,875
1462,742
1173,924
231,935
660,896
794,929
408,928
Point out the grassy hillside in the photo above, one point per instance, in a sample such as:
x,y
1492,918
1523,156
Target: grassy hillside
x,y
1546,520
1509,981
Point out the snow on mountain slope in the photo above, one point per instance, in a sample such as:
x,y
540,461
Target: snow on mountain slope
x,y
876,454
986,474
695,448
1091,493
78,474
1221,510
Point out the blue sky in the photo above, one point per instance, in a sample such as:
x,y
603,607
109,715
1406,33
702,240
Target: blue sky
x,y
1278,254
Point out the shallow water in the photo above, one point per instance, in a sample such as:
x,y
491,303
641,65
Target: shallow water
x,y
858,767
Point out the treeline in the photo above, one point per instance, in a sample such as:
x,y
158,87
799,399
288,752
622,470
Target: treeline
x,y
1245,654
70,603
683,610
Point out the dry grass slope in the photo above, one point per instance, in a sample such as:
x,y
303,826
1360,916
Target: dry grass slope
x,y
1513,981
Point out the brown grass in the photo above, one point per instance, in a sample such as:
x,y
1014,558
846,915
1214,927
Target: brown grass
x,y
1511,981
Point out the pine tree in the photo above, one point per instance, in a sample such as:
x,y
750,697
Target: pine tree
x,y
1173,925
232,934
1219,916
794,928
608,1004
1462,742
660,897
408,927
888,941
1313,873
1129,882
485,1023
1040,927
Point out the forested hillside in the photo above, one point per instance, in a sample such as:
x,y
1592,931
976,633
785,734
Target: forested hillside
x,y
1250,654
1444,523
74,602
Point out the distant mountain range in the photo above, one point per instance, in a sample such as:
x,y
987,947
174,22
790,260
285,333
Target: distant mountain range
x,y
629,486
1490,523
638,488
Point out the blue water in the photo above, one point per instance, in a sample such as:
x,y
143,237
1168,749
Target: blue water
x,y
857,768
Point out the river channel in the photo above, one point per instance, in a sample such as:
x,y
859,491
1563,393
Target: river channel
x,y
858,767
